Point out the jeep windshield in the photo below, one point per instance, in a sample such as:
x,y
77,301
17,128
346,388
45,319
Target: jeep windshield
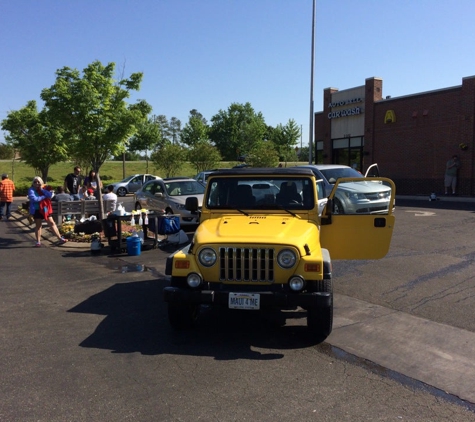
x,y
260,192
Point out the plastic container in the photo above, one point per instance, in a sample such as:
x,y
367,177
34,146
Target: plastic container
x,y
133,246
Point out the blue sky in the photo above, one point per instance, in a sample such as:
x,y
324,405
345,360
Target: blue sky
x,y
208,54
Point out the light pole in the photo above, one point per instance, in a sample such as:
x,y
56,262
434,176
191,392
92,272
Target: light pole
x,y
310,135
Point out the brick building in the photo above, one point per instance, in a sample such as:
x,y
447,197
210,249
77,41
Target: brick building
x,y
410,137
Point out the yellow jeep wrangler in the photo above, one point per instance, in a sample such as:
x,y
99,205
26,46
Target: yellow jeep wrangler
x,y
264,242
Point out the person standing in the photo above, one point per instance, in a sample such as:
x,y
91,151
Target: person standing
x,y
6,196
72,183
451,170
40,208
92,184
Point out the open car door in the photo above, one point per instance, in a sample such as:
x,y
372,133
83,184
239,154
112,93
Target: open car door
x,y
364,231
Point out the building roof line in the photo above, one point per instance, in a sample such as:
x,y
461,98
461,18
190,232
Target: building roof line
x,y
435,91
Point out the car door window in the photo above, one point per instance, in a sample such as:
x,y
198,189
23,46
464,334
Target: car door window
x,y
150,189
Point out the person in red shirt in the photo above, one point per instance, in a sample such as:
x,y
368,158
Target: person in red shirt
x,y
6,195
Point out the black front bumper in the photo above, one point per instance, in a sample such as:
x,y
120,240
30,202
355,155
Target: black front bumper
x,y
280,300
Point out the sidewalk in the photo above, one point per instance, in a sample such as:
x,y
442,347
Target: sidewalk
x,y
443,198
21,220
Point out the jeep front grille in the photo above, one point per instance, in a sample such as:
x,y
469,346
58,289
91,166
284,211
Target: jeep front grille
x,y
246,264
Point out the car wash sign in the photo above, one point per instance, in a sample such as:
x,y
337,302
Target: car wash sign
x,y
351,108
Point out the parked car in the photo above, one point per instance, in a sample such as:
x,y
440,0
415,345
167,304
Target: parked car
x,y
353,197
130,184
170,195
203,176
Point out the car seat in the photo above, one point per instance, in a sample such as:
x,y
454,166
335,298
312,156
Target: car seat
x,y
288,194
244,197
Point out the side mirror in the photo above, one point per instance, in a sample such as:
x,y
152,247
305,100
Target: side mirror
x,y
191,204
158,195
326,217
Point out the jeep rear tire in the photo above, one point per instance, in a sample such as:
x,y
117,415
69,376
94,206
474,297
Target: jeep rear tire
x,y
320,320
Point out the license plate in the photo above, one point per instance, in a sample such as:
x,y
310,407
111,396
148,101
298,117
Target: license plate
x,y
249,301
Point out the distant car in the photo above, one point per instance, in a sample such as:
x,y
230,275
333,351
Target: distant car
x,y
353,197
170,195
203,176
242,166
130,184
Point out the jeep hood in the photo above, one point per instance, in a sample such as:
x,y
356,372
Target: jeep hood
x,y
252,229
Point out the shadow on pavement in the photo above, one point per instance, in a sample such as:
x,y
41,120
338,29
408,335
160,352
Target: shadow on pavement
x,y
136,321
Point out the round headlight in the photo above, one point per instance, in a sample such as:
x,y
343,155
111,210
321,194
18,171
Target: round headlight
x,y
296,283
286,258
207,257
194,280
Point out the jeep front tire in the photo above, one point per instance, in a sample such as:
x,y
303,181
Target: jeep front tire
x,y
320,319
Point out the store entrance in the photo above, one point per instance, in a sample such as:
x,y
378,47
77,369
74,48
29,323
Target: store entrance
x,y
348,152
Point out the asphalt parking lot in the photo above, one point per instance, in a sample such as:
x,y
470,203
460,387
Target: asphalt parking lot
x,y
87,338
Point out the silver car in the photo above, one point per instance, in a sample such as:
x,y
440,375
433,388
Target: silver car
x,y
130,184
203,176
353,197
169,196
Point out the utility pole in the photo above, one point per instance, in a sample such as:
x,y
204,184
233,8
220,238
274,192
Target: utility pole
x,y
301,132
310,137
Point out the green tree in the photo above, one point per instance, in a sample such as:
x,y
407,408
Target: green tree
x,y
263,154
169,129
204,156
7,152
285,139
235,131
170,158
165,131
129,156
38,139
147,138
198,115
303,154
196,130
175,129
93,111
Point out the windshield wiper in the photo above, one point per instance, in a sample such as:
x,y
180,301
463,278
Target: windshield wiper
x,y
227,207
242,212
280,207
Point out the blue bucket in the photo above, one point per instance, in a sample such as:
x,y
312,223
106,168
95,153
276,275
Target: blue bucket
x,y
133,246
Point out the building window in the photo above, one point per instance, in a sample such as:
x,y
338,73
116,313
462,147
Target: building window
x,y
348,151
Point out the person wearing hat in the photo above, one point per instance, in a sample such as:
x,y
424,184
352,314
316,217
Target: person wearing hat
x,y
6,195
